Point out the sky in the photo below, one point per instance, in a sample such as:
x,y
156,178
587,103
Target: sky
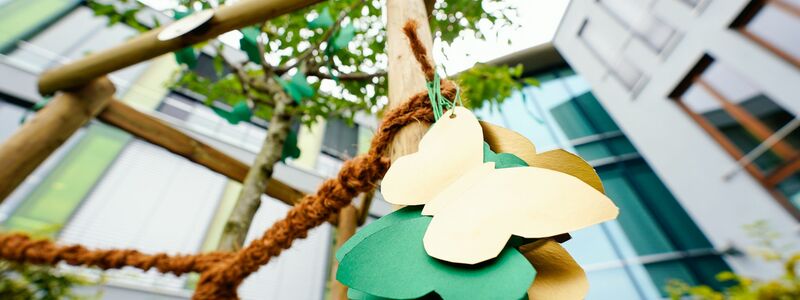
x,y
538,20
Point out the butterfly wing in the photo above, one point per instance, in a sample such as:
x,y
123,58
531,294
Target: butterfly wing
x,y
416,178
528,202
558,275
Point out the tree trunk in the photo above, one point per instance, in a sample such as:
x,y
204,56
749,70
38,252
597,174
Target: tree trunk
x,y
260,172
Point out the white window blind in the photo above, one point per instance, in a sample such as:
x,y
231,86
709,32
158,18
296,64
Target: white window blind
x,y
152,201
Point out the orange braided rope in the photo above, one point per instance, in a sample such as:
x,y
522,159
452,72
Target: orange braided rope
x,y
223,272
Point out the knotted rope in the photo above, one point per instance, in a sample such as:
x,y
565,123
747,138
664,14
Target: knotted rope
x,y
222,272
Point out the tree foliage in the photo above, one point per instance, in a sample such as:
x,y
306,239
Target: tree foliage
x,y
785,287
348,78
22,281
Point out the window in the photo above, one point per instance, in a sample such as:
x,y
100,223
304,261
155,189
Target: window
x,y
740,117
607,50
636,16
341,139
20,19
200,118
774,25
656,236
697,5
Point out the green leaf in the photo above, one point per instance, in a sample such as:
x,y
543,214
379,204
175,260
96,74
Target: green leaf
x,y
501,160
179,14
239,112
392,263
531,81
324,20
405,213
249,43
343,37
187,56
290,148
297,87
355,294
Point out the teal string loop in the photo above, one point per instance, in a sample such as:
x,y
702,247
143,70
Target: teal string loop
x,y
438,102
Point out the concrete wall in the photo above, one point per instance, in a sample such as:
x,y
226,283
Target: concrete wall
x,y
681,152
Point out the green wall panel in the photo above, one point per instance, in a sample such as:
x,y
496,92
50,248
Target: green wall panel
x,y
51,204
21,18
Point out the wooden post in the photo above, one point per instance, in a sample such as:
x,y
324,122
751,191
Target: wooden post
x,y
152,130
366,203
405,76
346,228
405,80
147,45
49,128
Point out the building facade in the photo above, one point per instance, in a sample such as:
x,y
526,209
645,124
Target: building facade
x,y
654,240
706,90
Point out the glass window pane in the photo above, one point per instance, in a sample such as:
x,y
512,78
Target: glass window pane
x,y
600,119
729,83
778,27
593,151
662,272
637,221
607,48
612,284
636,15
341,139
735,89
692,3
621,145
790,188
571,120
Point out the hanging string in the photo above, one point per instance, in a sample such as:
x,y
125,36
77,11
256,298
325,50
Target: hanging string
x,y
440,103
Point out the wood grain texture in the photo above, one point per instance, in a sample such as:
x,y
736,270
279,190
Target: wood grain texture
x,y
348,219
49,129
147,45
405,76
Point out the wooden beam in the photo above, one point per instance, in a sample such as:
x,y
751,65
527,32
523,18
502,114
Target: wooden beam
x,y
346,228
160,134
49,129
405,76
147,46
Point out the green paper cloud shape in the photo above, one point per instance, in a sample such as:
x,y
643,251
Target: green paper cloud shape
x,y
388,260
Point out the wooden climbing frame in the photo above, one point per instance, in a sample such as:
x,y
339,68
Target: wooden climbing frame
x,y
83,92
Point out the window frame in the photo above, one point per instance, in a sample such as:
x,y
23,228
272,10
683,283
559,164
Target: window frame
x,y
769,179
662,51
611,68
750,11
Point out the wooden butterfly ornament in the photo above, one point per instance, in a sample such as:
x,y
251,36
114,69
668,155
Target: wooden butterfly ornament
x,y
476,207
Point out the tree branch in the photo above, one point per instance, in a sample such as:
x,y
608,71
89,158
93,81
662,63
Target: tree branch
x,y
248,82
325,37
355,76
